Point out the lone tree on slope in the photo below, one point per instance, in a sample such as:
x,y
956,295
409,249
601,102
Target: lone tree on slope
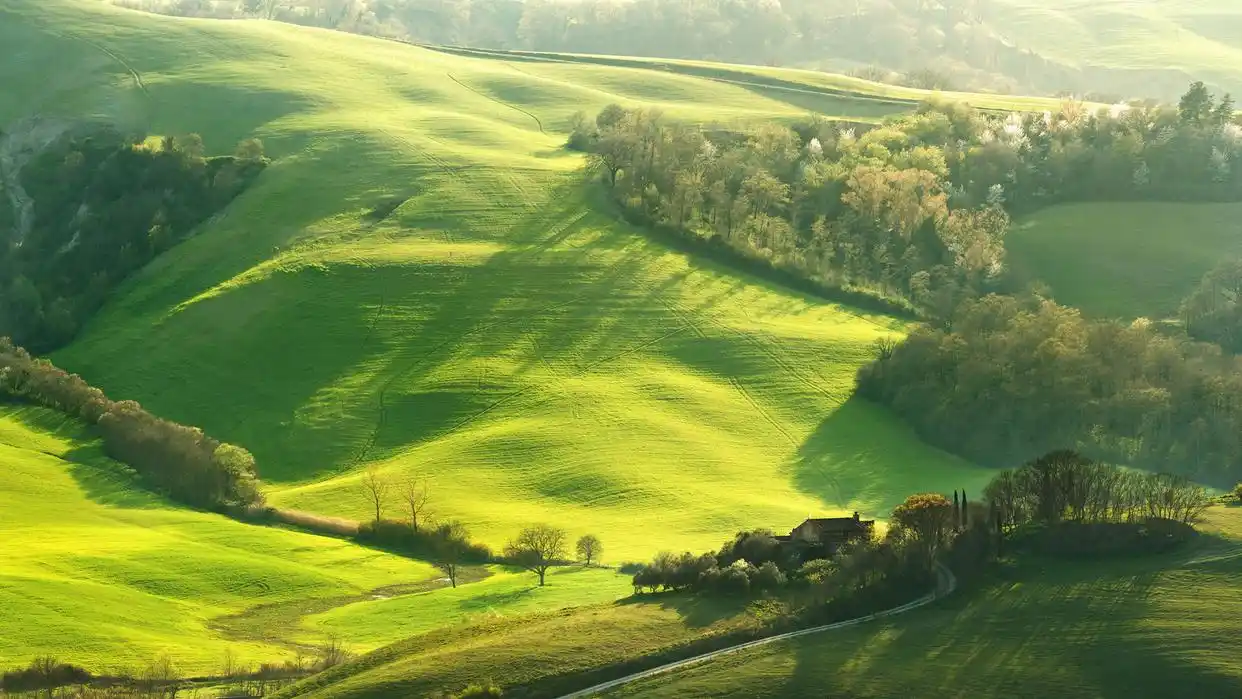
x,y
537,548
416,493
376,489
451,544
589,549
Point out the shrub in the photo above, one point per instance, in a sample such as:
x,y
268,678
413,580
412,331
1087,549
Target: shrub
x,y
486,690
44,673
401,537
735,580
1237,491
767,578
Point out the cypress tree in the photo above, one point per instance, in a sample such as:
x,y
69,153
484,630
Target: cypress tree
x,y
957,512
965,510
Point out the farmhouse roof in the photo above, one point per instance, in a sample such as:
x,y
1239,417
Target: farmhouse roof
x,y
840,522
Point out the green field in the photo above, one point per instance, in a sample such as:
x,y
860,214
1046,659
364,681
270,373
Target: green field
x,y
1125,259
1200,38
1148,627
498,331
98,573
546,654
423,283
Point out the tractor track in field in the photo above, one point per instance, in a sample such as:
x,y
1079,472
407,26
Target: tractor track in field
x,y
424,357
499,101
829,478
733,381
129,68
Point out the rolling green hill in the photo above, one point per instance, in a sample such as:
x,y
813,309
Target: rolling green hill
x,y
1201,38
420,283
97,573
1151,626
1125,259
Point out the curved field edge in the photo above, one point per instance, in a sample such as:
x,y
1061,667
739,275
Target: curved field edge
x,y
101,574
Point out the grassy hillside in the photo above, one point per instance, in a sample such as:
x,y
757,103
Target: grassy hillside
x,y
1162,626
860,98
1202,38
1125,259
109,577
546,655
418,282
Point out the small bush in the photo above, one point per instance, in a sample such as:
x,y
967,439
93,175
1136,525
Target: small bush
x,y
735,580
1237,491
487,690
399,536
767,578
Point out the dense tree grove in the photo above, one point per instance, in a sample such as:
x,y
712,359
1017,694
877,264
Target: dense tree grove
x,y
103,206
1012,378
918,43
180,461
916,207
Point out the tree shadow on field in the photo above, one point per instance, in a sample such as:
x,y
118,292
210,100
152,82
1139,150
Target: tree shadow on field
x,y
1080,634
861,457
102,480
696,611
836,106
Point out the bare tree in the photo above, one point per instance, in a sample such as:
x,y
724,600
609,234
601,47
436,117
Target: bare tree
x,y
589,548
452,542
332,653
416,493
375,488
537,549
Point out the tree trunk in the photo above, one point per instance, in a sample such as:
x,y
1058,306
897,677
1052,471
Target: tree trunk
x,y
542,572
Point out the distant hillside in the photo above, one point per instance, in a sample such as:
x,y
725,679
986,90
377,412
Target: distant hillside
x,y
1113,48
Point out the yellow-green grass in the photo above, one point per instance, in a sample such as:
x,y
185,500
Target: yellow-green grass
x,y
541,655
505,594
1125,259
498,333
100,574
1157,626
864,96
1201,38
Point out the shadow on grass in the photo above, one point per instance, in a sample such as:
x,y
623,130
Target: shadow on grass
x,y
696,611
1047,628
862,457
102,480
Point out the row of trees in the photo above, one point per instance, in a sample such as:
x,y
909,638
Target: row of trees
x,y
918,43
105,204
1012,378
917,207
536,548
179,461
1066,486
